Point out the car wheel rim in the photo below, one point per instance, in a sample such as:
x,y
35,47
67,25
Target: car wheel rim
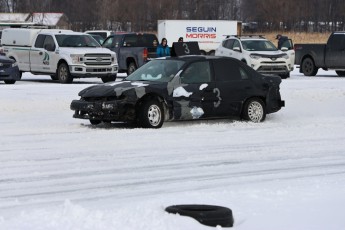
x,y
63,73
255,111
154,115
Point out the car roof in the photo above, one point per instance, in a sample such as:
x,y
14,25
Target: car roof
x,y
190,58
247,37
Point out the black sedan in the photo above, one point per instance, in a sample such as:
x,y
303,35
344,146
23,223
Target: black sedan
x,y
182,88
9,71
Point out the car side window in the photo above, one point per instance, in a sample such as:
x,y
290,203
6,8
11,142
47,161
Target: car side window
x,y
130,40
229,43
336,42
197,72
236,45
228,70
40,40
49,43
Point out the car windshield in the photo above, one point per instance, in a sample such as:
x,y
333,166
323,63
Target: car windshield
x,y
258,45
71,40
160,70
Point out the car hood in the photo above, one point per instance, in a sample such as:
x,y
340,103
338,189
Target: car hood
x,y
118,88
83,50
269,54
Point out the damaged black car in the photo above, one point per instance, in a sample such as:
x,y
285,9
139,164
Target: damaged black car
x,y
182,88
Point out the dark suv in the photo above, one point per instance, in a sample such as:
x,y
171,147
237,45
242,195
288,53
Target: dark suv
x,y
132,49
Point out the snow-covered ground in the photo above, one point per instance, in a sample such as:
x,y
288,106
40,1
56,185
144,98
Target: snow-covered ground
x,y
56,172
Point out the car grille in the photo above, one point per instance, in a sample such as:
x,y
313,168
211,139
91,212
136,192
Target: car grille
x,y
98,59
5,65
272,68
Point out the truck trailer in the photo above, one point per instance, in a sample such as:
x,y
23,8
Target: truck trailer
x,y
208,33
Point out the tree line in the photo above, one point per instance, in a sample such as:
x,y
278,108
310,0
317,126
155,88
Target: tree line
x,y
138,15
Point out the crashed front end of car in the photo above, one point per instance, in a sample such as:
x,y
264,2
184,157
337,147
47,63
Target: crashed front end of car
x,y
104,103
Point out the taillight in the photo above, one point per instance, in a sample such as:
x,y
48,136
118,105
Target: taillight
x,y
145,54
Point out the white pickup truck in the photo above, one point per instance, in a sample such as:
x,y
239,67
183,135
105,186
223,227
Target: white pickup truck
x,y
62,54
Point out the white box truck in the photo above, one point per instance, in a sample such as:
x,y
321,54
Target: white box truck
x,y
62,54
208,33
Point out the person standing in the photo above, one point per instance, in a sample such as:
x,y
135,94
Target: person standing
x,y
163,49
281,40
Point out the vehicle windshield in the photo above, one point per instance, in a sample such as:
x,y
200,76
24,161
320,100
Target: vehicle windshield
x,y
258,45
76,40
160,70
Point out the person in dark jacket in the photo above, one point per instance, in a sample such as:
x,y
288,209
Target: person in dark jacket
x,y
163,49
281,40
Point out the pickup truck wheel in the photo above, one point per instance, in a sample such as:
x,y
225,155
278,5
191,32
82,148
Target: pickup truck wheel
x,y
63,74
340,73
108,78
151,114
131,68
254,110
308,67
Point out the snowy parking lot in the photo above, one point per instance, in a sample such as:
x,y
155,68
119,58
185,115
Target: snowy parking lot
x,y
58,172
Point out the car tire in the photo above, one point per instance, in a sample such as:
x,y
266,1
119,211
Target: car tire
x,y
308,67
10,82
208,215
340,73
284,76
151,114
254,110
63,74
131,68
106,79
95,122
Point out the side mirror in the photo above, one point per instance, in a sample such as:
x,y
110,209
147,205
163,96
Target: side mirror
x,y
237,49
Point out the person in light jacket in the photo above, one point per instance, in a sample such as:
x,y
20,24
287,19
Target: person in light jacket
x,y
163,49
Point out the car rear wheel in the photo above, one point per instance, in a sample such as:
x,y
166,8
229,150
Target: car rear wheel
x,y
308,67
340,73
63,73
131,68
254,110
151,114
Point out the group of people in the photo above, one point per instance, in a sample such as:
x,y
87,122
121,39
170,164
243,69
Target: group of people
x,y
163,49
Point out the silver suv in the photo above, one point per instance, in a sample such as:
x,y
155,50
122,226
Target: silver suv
x,y
260,54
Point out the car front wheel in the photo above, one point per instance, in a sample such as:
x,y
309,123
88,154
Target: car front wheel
x,y
254,110
151,114
64,75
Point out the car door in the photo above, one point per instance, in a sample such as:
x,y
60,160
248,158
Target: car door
x,y
226,48
42,55
233,86
195,97
335,51
291,52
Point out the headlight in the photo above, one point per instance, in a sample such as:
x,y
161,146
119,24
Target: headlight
x,y
254,56
77,58
285,56
14,64
113,59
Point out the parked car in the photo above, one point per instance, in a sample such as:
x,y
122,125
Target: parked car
x,y
260,54
182,88
103,33
311,57
132,49
98,38
9,71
